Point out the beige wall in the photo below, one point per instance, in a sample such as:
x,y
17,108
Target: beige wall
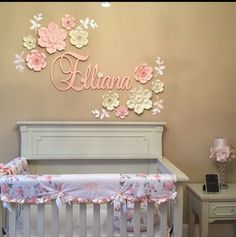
x,y
196,40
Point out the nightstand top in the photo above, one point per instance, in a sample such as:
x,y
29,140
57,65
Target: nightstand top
x,y
224,194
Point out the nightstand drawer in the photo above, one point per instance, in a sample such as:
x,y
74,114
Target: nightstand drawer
x,y
222,209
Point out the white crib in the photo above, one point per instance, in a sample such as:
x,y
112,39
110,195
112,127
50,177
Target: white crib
x,y
94,147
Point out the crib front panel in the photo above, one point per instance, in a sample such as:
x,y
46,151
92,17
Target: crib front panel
x,y
65,225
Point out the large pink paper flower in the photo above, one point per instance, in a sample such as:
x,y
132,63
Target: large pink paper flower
x,y
52,38
143,73
36,60
68,22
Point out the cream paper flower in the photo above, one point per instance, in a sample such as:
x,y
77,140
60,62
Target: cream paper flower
x,y
157,86
110,100
139,99
78,37
29,42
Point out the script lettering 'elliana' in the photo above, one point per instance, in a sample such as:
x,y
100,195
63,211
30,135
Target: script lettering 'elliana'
x,y
78,76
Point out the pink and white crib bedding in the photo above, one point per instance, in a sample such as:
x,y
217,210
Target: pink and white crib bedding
x,y
122,190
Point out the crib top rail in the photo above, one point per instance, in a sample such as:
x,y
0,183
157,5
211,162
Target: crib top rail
x,y
54,140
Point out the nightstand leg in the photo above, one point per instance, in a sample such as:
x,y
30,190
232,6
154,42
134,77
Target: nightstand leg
x,y
234,228
203,219
192,218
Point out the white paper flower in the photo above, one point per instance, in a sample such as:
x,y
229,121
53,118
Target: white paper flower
x,y
157,86
139,99
110,100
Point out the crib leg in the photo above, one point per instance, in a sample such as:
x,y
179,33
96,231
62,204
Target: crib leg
x,y
109,223
1,220
178,212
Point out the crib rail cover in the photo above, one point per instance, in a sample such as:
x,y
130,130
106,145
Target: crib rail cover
x,y
19,165
87,188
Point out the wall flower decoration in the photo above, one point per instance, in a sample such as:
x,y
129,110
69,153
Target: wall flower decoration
x,y
157,86
139,99
122,112
35,21
103,114
29,42
20,62
157,106
52,38
160,67
110,100
87,22
68,22
78,37
143,73
36,60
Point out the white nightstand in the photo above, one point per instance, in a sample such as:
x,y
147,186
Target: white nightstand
x,y
210,207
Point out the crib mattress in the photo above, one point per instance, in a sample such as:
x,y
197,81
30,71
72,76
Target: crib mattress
x,y
48,216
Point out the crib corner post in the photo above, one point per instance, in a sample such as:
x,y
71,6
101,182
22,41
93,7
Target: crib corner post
x,y
1,219
178,212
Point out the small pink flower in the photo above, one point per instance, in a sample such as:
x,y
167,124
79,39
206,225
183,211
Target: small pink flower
x,y
36,60
68,22
5,188
121,111
52,38
168,185
143,73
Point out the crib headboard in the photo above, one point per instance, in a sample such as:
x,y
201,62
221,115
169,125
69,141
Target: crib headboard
x,y
54,140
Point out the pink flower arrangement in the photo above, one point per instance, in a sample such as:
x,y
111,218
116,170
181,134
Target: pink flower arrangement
x,y
52,38
143,73
122,111
68,22
36,60
221,151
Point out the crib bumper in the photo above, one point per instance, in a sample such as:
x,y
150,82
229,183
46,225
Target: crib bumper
x,y
87,188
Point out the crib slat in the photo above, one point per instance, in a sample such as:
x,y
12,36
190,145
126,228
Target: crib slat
x,y
150,222
69,220
40,221
12,220
109,224
137,219
123,221
163,227
55,220
26,220
82,221
96,220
